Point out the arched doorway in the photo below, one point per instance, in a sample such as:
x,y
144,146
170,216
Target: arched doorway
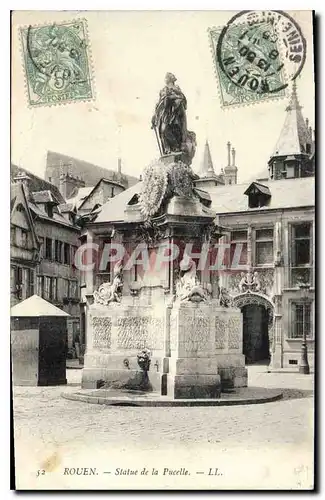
x,y
257,310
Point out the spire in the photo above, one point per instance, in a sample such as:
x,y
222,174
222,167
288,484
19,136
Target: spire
x,y
207,169
294,135
294,103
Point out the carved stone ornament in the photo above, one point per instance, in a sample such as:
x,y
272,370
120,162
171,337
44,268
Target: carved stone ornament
x,y
188,287
249,282
154,185
225,299
151,233
111,292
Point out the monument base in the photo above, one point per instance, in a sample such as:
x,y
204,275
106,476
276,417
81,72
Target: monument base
x,y
196,348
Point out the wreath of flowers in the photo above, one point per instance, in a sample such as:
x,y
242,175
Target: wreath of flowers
x,y
154,185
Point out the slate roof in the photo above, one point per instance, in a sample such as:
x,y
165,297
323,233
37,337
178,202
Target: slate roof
x,y
294,134
84,199
88,172
285,193
35,306
43,197
80,196
57,216
113,210
36,183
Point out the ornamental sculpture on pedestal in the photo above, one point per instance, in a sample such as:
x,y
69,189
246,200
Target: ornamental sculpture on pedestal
x,y
188,286
111,292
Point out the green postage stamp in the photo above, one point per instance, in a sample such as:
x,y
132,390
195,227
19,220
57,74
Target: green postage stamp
x,y
256,55
57,63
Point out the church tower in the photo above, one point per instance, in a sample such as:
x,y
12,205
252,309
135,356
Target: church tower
x,y
230,171
294,153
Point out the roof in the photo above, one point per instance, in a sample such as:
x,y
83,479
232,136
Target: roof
x,y
17,196
66,207
57,216
43,197
108,181
285,193
36,183
57,163
113,210
294,134
80,196
260,187
35,306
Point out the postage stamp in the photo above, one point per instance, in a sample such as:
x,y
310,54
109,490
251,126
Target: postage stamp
x,y
57,63
256,55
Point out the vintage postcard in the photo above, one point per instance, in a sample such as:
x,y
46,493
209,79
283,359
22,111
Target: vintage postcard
x,y
162,245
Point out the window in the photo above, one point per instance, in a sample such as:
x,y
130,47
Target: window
x,y
65,288
47,287
301,319
301,254
301,245
12,235
40,286
29,283
53,289
263,246
73,289
112,192
48,248
238,248
41,249
58,251
24,238
66,253
18,282
73,254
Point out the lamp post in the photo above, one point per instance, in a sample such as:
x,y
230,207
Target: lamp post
x,y
303,365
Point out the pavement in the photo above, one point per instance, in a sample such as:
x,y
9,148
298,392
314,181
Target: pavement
x,y
264,445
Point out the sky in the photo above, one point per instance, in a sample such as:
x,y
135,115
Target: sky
x,y
131,53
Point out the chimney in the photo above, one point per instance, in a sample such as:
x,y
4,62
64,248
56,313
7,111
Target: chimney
x,y
23,179
119,166
228,146
233,157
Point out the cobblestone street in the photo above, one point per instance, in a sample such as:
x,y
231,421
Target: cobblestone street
x,y
45,423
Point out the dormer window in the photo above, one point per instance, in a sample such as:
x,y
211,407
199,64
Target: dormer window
x,y
258,194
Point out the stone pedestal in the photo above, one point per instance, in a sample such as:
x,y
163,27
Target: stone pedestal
x,y
117,333
196,348
205,350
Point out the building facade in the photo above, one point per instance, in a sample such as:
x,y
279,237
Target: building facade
x,y
43,244
271,225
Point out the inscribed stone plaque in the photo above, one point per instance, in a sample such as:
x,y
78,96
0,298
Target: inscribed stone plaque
x,y
102,332
197,333
137,332
220,333
234,335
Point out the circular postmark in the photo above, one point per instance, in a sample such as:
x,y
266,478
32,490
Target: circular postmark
x,y
261,51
